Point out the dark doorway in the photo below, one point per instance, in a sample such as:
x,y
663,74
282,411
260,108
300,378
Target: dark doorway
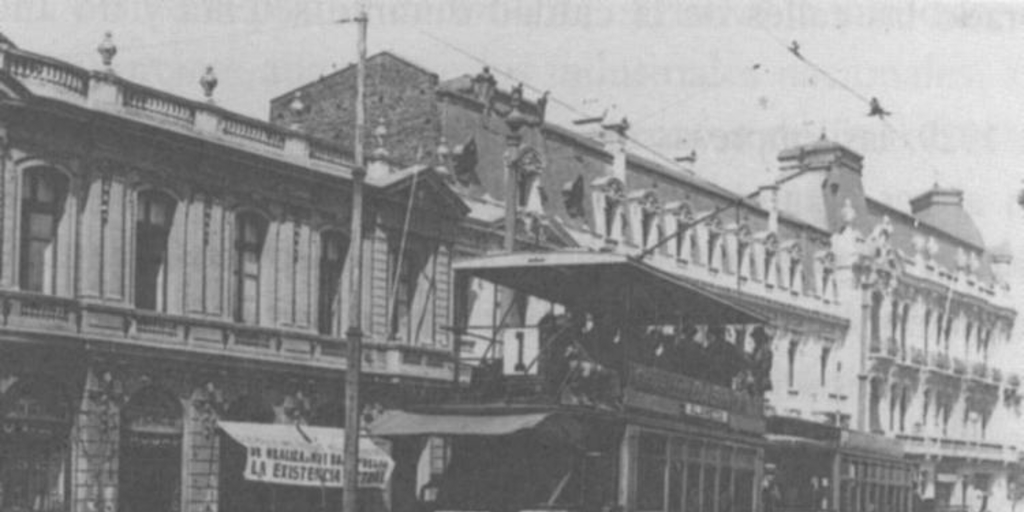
x,y
150,462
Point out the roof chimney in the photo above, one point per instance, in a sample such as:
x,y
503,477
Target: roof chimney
x,y
937,197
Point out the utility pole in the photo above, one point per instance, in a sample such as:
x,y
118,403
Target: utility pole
x,y
354,336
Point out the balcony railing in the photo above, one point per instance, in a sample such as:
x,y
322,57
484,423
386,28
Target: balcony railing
x,y
918,356
959,366
876,346
996,375
101,323
957,448
979,370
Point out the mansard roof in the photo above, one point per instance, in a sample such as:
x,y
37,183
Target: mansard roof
x,y
953,220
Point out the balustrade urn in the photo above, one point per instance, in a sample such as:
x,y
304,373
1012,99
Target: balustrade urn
x,y
107,50
209,83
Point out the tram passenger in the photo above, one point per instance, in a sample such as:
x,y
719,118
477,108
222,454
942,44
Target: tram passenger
x,y
771,494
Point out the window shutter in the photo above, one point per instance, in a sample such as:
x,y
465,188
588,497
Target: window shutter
x,y
443,297
379,283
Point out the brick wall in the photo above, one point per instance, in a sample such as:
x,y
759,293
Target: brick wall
x,y
397,92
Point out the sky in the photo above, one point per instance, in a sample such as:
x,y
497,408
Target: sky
x,y
709,76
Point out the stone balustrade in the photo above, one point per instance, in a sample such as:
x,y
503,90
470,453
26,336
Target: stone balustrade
x,y
106,92
92,323
59,78
931,446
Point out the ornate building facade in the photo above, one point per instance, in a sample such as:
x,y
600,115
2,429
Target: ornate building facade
x,y
166,263
890,322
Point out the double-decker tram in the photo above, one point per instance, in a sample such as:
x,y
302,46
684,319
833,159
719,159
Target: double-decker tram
x,y
638,391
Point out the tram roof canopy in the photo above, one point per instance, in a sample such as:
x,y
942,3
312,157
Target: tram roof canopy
x,y
609,284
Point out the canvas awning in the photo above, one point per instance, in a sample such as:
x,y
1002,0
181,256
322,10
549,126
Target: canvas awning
x,y
609,284
305,456
401,423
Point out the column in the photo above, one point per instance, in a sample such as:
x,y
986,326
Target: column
x,y
96,436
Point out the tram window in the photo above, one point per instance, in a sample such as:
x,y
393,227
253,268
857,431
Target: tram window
x,y
652,460
708,488
675,485
743,495
846,495
692,492
725,495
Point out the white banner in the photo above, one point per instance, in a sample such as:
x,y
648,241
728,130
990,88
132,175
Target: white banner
x,y
305,456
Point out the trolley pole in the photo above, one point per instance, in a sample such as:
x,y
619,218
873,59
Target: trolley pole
x,y
354,335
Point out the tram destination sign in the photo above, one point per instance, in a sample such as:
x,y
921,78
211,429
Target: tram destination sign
x,y
667,393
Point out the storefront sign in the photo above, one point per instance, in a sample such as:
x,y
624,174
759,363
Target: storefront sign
x,y
305,456
705,412
31,428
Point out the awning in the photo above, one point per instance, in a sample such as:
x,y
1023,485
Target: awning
x,y
400,423
608,284
788,442
305,456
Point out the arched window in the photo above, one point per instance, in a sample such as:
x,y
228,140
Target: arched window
x,y
794,345
875,402
927,327
903,409
695,247
713,240
42,207
625,228
153,225
333,250
894,401
250,232
904,318
876,320
770,264
925,402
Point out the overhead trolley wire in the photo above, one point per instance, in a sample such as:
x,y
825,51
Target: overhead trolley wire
x,y
875,108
